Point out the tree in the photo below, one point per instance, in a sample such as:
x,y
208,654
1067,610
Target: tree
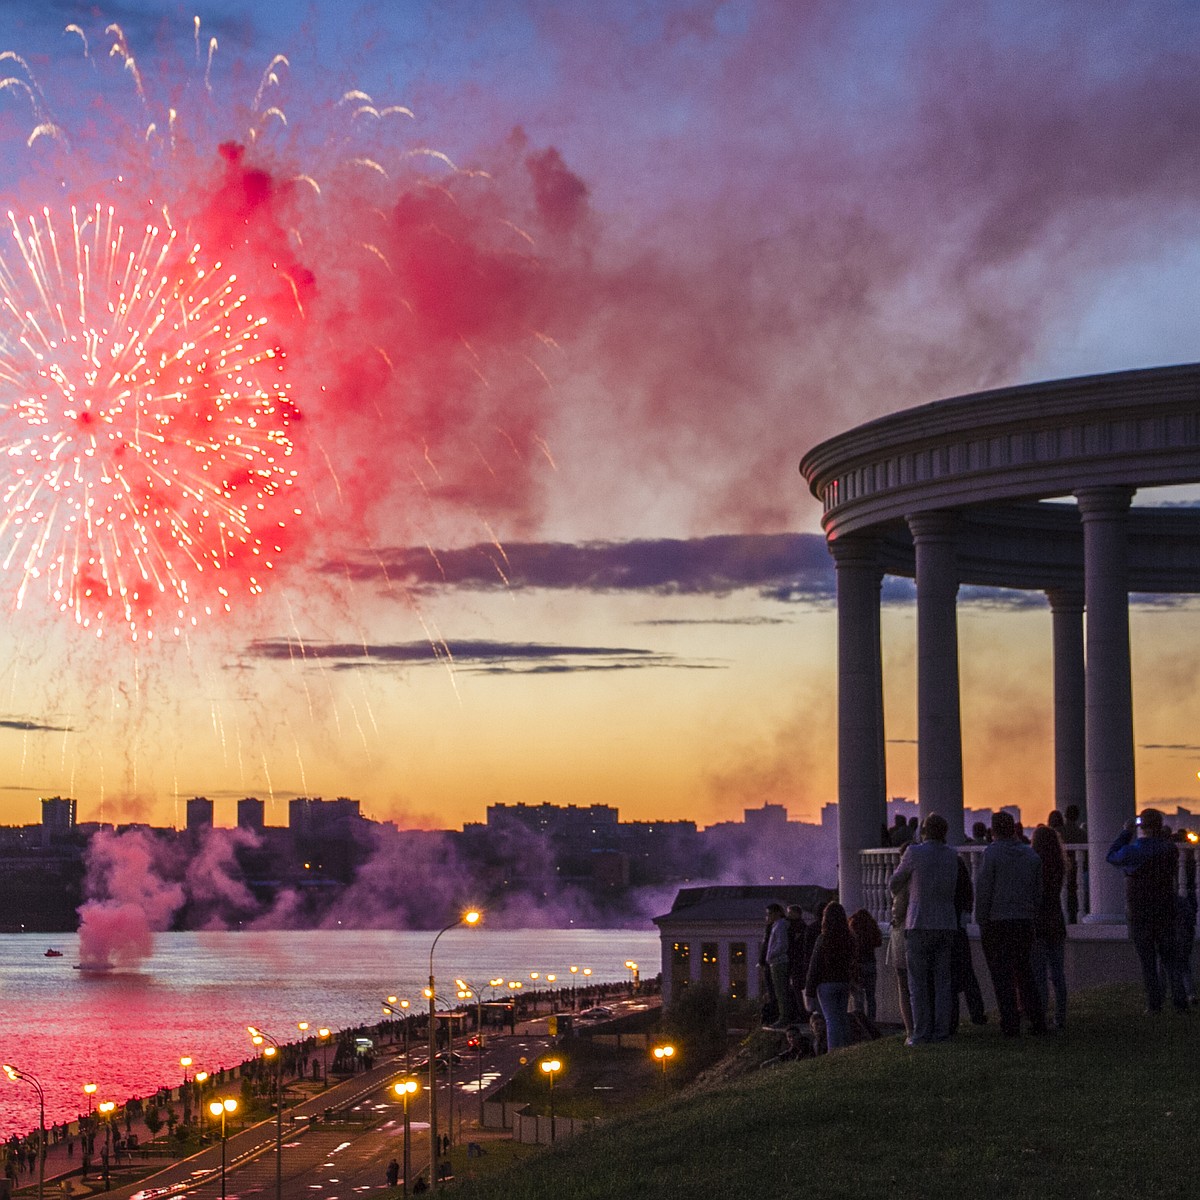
x,y
154,1120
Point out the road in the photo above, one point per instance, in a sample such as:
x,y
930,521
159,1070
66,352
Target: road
x,y
346,1157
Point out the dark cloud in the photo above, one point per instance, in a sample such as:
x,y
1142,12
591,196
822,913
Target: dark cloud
x,y
487,657
749,621
1187,747
25,725
793,563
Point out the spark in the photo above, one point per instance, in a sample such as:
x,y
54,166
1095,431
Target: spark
x,y
82,37
269,78
370,164
46,129
146,427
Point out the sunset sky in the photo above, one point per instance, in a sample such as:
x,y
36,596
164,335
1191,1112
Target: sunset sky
x,y
566,290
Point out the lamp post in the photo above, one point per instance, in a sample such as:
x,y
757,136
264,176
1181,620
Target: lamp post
x,y
324,1035
663,1053
632,967
514,986
465,991
89,1090
106,1108
18,1076
221,1108
468,918
271,1050
404,1089
185,1098
389,1006
551,1067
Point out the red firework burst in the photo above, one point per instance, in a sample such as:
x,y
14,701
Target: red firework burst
x,y
144,421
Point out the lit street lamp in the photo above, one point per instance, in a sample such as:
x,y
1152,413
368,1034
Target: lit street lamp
x,y
551,1067
465,992
324,1035
220,1108
106,1108
184,1095
632,967
17,1076
404,1089
663,1053
272,1051
389,1006
467,918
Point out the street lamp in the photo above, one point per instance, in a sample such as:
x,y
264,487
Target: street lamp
x,y
633,968
514,986
389,1006
465,992
17,1076
323,1035
184,1096
468,918
404,1089
551,1067
272,1051
106,1108
663,1053
220,1108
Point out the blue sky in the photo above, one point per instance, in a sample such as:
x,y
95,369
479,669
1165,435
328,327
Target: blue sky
x,y
678,245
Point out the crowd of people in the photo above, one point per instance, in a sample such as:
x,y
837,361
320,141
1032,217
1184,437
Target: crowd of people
x,y
819,975
819,970
1017,899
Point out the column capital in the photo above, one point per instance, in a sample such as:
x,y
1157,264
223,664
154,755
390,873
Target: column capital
x,y
940,525
1065,600
1104,502
855,550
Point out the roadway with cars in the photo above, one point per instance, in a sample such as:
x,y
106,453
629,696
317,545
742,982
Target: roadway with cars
x,y
347,1156
337,1142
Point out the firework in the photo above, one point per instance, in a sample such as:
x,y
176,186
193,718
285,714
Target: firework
x,y
144,426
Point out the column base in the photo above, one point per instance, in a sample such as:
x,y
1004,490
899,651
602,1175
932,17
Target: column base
x,y
1091,920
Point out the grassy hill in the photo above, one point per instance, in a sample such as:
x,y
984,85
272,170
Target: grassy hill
x,y
1110,1108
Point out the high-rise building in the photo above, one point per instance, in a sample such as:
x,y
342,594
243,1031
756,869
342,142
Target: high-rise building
x,y
199,813
58,815
250,814
314,817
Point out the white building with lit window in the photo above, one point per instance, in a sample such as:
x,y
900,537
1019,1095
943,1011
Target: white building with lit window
x,y
714,935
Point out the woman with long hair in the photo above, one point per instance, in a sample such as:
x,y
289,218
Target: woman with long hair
x,y
832,972
1049,927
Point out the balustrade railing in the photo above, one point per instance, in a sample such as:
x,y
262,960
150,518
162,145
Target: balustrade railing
x,y
878,866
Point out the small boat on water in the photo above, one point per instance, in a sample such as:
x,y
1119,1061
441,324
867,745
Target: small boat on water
x,y
93,966
52,953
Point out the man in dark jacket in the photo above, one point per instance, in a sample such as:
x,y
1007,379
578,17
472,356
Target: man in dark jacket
x,y
1150,862
1008,889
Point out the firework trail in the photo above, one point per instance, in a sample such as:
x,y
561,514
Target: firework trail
x,y
145,437
151,425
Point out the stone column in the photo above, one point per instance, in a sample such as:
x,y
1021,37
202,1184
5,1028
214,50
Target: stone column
x,y
939,731
1108,684
862,808
1070,701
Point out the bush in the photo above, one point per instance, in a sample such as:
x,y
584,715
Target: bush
x,y
698,1023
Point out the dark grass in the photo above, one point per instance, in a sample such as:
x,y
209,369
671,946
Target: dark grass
x,y
1109,1108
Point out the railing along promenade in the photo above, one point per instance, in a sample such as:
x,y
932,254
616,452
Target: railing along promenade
x,y
878,866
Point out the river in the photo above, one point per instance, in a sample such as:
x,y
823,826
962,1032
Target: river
x,y
126,1030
